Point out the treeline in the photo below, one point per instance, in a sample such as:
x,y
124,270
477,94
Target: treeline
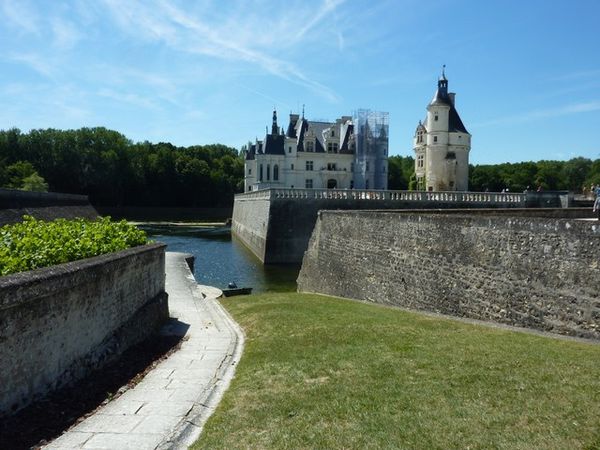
x,y
114,171
573,175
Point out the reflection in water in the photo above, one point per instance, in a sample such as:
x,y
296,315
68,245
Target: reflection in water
x,y
221,259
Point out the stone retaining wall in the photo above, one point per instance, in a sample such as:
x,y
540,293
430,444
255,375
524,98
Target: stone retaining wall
x,y
276,224
14,204
58,323
538,273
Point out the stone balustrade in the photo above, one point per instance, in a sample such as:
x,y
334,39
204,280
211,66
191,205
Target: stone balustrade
x,y
490,198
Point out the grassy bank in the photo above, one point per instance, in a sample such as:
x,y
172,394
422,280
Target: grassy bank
x,y
320,372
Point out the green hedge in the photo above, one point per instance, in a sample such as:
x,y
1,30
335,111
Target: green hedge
x,y
35,243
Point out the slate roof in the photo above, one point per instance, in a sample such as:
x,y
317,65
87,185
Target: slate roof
x,y
250,154
274,144
441,98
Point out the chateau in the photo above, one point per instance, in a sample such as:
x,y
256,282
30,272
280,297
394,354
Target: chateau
x,y
442,145
350,153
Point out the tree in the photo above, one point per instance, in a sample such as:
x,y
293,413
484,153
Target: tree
x,y
34,183
575,172
16,173
400,171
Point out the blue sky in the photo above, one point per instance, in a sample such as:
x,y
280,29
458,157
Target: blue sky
x,y
526,73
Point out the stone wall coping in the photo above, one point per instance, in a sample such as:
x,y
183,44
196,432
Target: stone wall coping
x,y
507,215
26,195
19,288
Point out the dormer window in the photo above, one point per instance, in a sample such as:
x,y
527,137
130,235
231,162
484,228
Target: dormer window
x,y
310,146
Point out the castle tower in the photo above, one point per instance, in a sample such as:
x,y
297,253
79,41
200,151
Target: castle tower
x,y
442,144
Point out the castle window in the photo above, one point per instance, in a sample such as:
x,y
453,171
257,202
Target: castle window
x,y
268,172
420,161
292,167
331,166
332,147
435,117
332,133
435,139
310,146
260,176
290,149
309,165
249,171
308,184
276,172
450,155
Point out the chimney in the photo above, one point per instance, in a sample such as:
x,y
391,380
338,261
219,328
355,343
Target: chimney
x,y
452,95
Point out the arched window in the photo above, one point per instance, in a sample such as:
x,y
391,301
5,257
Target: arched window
x,y
268,172
276,172
260,175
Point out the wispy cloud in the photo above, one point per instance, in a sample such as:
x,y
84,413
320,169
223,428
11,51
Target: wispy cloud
x,y
576,75
326,8
539,114
182,31
66,35
129,97
21,14
36,62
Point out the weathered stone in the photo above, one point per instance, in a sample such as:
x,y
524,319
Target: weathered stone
x,y
519,271
60,322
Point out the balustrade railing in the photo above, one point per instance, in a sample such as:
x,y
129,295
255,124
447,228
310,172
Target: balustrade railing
x,y
377,195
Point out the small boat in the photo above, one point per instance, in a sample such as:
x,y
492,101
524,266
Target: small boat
x,y
237,291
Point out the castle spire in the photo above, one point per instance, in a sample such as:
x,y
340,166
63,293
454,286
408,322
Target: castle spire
x,y
443,82
274,127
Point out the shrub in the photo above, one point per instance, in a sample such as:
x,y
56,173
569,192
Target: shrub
x,y
33,243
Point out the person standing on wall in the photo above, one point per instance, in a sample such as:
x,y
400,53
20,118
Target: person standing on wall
x,y
596,208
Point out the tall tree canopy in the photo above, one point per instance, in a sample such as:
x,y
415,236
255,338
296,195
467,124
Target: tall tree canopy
x,y
112,170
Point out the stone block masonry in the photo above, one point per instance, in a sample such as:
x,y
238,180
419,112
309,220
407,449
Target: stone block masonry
x,y
539,273
58,323
14,204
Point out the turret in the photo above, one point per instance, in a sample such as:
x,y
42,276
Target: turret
x,y
274,127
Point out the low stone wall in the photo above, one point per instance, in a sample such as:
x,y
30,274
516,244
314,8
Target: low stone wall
x,y
539,273
14,204
58,323
276,224
152,213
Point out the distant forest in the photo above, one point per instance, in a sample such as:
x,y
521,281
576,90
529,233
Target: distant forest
x,y
114,171
572,175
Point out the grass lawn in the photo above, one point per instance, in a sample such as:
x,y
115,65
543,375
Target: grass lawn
x,y
321,372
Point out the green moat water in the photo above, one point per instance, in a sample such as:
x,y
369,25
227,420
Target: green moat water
x,y
221,259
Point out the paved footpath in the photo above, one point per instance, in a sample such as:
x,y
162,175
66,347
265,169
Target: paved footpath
x,y
169,407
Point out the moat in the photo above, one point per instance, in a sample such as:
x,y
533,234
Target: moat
x,y
221,259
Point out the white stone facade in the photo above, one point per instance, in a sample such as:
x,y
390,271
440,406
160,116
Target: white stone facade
x,y
319,155
441,145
